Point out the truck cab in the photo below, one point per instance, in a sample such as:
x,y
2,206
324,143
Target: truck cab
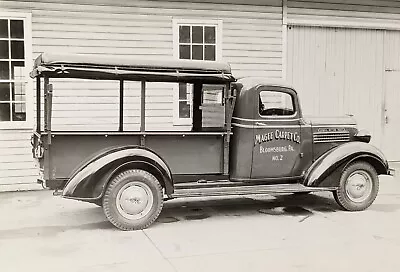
x,y
267,129
263,144
272,139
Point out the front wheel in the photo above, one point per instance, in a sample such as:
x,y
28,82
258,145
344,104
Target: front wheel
x,y
358,187
133,200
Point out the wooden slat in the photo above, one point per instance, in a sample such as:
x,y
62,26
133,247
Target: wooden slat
x,y
20,172
17,165
371,14
17,158
17,180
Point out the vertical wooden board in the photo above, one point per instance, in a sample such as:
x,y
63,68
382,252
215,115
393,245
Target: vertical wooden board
x,y
391,115
391,127
339,71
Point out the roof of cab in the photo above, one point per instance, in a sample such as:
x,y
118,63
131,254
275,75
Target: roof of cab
x,y
111,67
251,82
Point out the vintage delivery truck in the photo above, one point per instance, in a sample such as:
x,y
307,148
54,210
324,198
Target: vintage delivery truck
x,y
261,145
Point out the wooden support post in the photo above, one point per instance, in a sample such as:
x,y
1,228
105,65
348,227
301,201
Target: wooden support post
x,y
45,96
197,112
38,106
121,105
143,113
229,107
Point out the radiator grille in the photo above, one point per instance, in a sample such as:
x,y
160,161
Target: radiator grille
x,y
331,136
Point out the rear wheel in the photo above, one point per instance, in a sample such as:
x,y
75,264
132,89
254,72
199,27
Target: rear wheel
x,y
358,187
133,200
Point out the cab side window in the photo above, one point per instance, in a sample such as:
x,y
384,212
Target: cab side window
x,y
273,103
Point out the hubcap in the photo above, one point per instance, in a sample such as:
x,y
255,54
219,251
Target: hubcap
x,y
359,186
134,200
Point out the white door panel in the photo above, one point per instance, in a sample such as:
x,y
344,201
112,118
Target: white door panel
x,y
391,146
339,71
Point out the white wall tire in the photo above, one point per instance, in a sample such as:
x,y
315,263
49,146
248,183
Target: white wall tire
x,y
358,187
133,200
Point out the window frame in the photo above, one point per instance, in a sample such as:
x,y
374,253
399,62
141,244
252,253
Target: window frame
x,y
27,19
295,108
176,22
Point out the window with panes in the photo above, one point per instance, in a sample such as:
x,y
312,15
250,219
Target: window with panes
x,y
197,42
13,77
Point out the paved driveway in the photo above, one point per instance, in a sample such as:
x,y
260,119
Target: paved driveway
x,y
39,232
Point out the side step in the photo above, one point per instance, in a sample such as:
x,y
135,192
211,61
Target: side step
x,y
245,190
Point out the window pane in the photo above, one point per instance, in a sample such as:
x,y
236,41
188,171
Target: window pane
x,y
4,91
17,29
18,70
5,112
276,104
3,28
4,70
184,109
18,91
184,34
212,94
19,112
197,34
210,52
17,50
184,51
182,91
4,50
209,33
197,52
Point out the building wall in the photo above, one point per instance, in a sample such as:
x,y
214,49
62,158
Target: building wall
x,y
363,13
251,43
342,56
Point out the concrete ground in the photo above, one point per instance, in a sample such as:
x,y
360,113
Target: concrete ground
x,y
40,232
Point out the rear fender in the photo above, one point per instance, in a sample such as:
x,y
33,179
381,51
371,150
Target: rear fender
x,y
88,183
326,170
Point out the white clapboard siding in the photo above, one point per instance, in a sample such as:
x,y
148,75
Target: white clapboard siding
x,y
252,44
371,14
16,163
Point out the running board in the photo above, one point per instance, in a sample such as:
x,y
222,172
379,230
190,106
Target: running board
x,y
246,190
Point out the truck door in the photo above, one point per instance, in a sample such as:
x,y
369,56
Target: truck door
x,y
277,136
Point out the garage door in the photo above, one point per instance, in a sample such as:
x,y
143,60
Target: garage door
x,y
340,71
391,131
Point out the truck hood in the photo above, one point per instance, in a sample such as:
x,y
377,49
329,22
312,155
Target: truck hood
x,y
331,121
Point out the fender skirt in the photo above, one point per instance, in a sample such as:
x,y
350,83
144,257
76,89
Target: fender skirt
x,y
89,181
326,170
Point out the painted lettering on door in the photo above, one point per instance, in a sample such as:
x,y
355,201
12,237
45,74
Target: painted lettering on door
x,y
277,135
277,153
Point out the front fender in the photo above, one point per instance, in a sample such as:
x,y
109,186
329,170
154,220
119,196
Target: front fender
x,y
84,182
338,158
